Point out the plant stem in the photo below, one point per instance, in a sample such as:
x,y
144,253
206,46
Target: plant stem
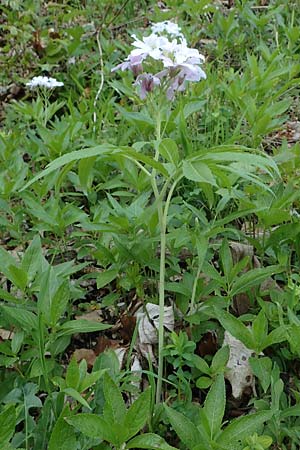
x,y
163,228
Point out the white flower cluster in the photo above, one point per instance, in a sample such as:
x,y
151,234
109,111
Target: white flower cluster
x,y
167,45
46,82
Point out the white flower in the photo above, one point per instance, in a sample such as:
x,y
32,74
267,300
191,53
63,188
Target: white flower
x,y
46,82
149,46
168,27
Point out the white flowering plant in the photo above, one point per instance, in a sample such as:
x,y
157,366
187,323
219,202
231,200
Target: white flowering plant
x,y
44,87
163,64
165,49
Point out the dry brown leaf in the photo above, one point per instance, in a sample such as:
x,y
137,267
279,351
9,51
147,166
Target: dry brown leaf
x,y
87,354
93,316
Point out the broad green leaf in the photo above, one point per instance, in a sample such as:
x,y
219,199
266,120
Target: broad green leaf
x,y
201,365
242,427
18,276
138,413
184,428
199,172
260,327
63,436
81,326
59,303
169,150
31,261
114,408
7,424
276,336
72,374
204,382
91,425
149,441
235,327
220,359
262,367
22,318
106,277
214,405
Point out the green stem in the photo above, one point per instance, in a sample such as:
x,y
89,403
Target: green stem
x,y
162,270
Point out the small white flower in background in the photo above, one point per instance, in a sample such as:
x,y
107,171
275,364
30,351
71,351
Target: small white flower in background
x,y
46,82
167,46
167,26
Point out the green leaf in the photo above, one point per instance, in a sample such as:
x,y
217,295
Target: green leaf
x,y
90,379
220,359
184,428
198,171
75,394
214,405
262,367
22,318
253,278
149,441
106,277
276,336
91,425
70,157
81,326
72,375
242,427
32,258
204,382
236,328
114,408
63,436
260,327
138,413
18,276
169,150
201,365
7,424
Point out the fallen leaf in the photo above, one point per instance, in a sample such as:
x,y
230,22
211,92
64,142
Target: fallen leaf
x,y
239,372
87,354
